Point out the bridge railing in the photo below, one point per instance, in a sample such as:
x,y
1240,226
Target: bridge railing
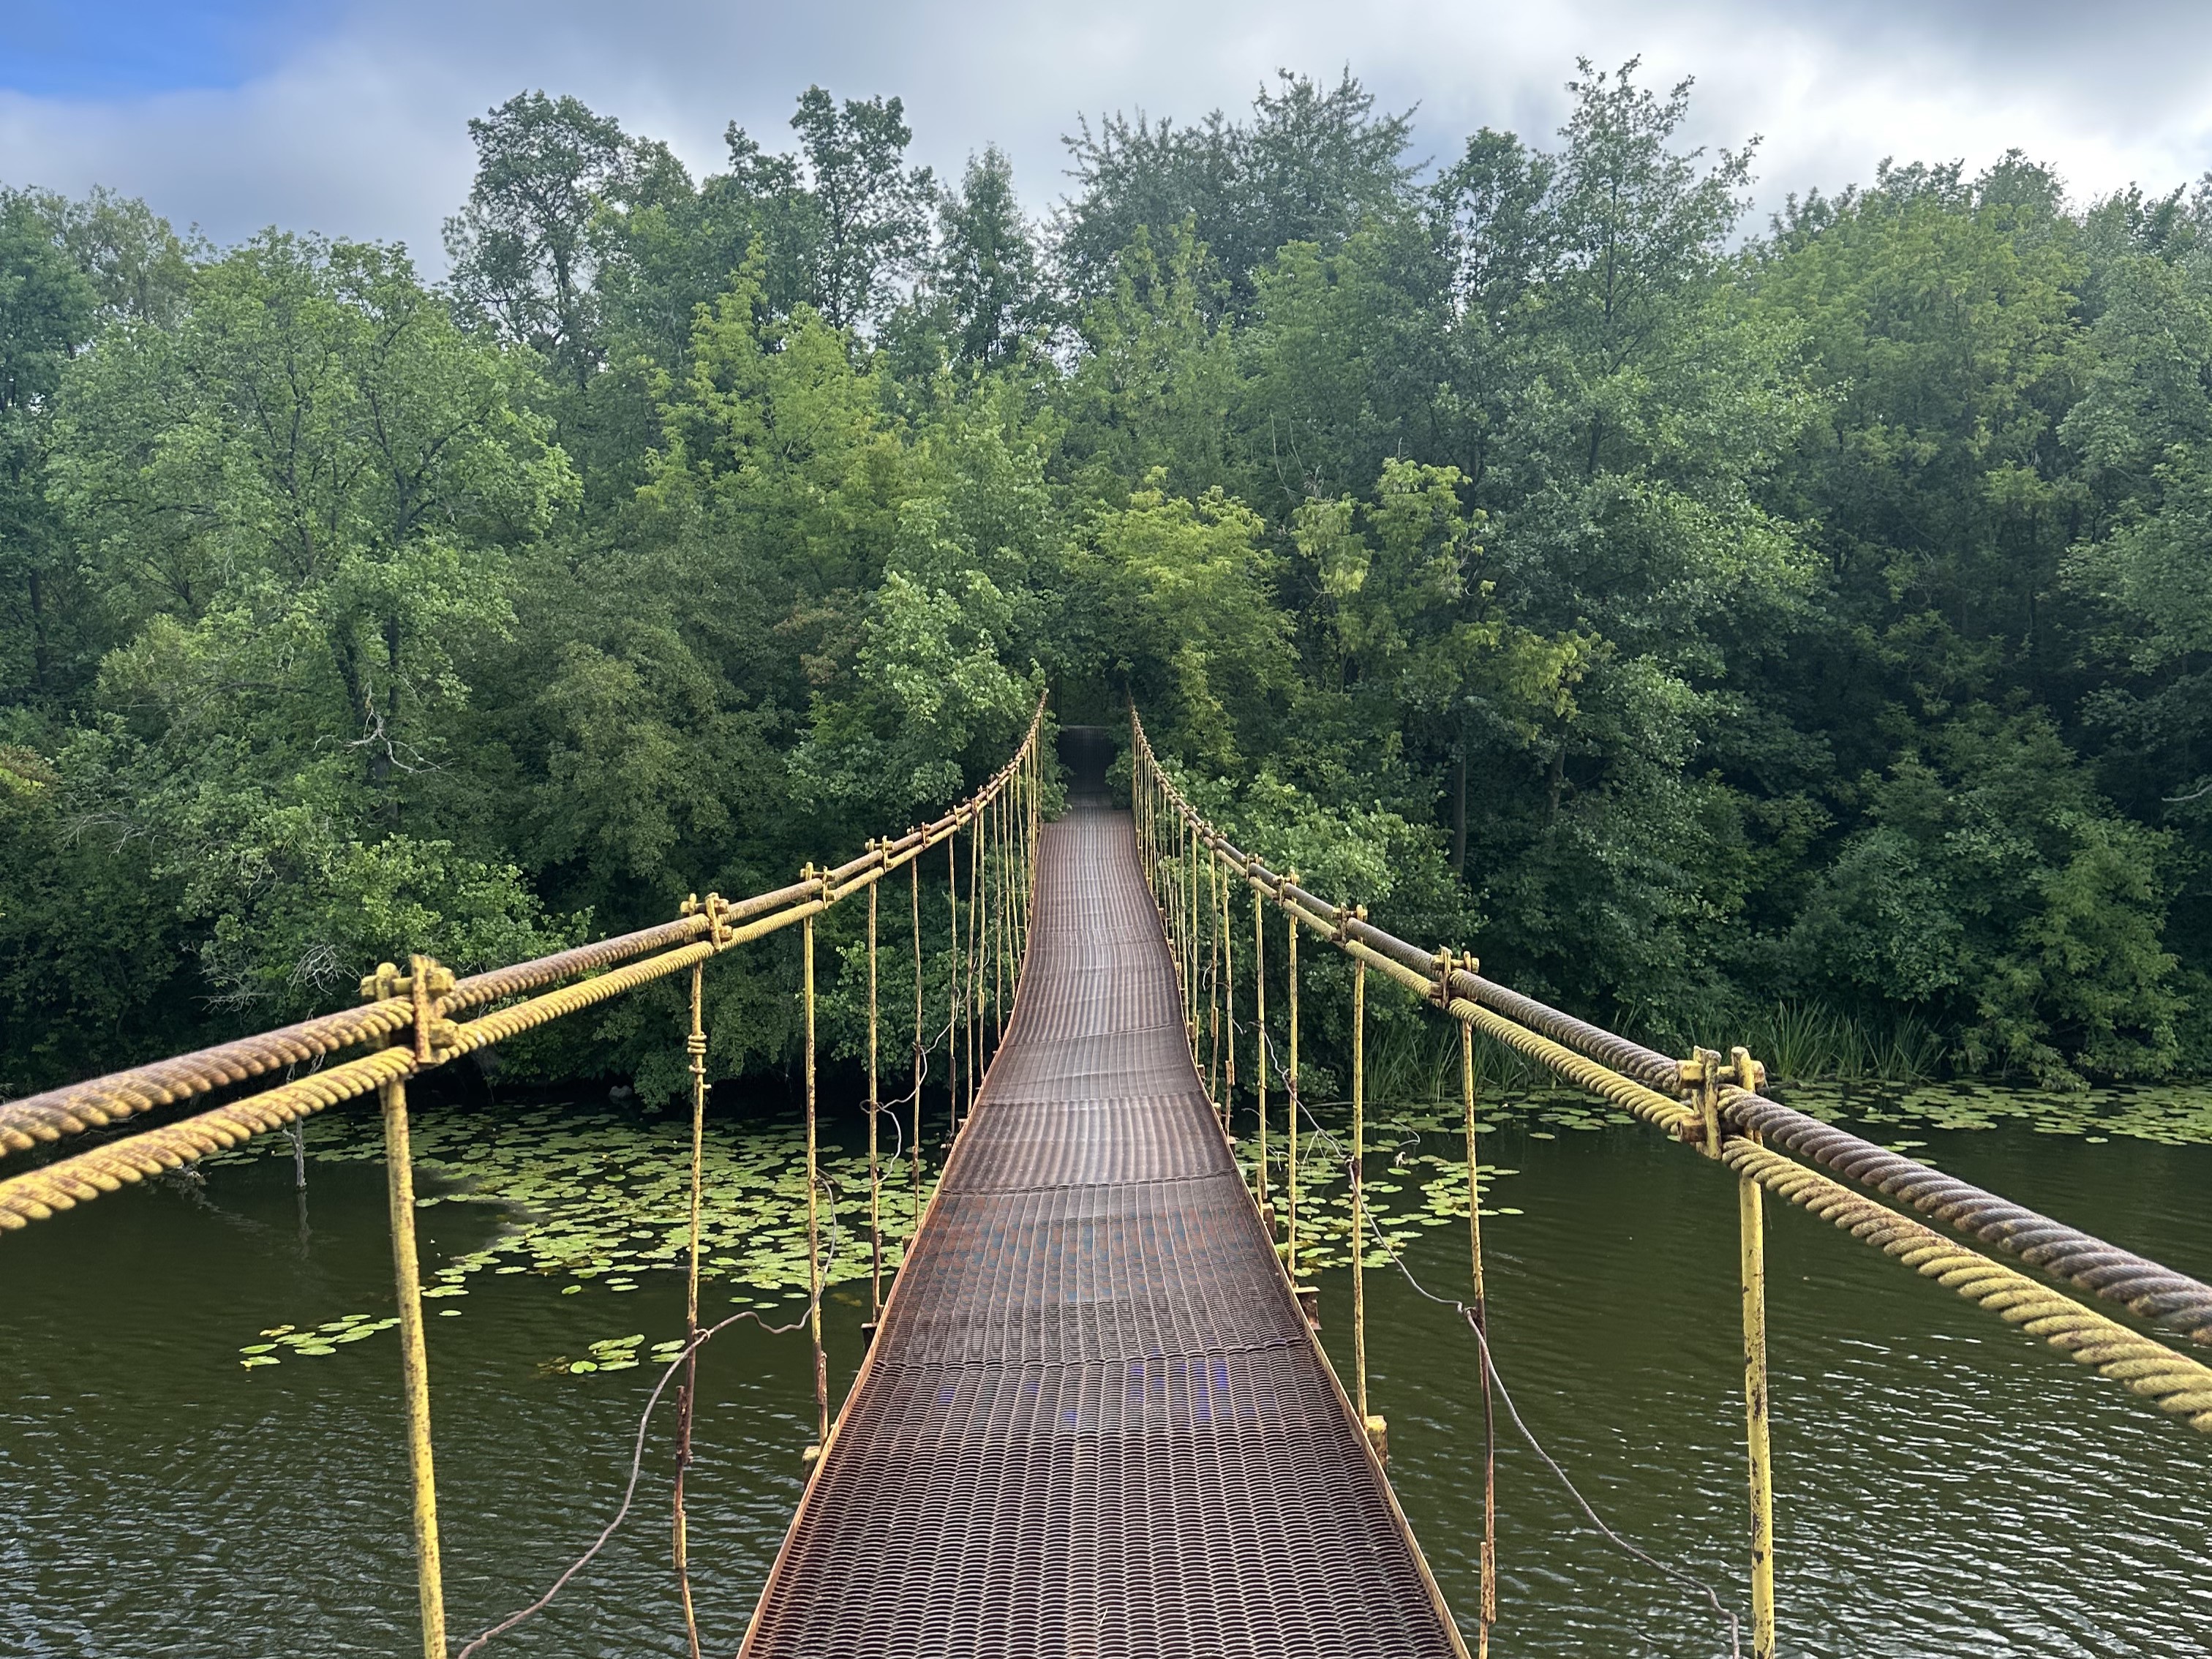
x,y
1704,1101
411,1023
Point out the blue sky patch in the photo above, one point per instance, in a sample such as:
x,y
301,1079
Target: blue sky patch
x,y
124,48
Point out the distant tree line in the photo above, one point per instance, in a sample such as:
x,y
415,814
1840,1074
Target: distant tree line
x,y
1688,621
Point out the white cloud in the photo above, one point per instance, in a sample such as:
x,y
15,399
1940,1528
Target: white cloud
x,y
361,131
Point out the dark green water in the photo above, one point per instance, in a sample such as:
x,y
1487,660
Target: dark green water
x,y
1945,1486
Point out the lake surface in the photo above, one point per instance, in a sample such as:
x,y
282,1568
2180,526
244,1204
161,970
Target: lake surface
x,y
1945,1486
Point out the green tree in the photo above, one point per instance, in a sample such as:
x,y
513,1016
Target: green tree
x,y
777,435
521,247
1939,316
300,501
987,275
1158,378
1177,597
1993,890
46,310
1622,402
871,210
1313,165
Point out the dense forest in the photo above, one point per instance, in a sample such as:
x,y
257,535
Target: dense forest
x,y
1699,618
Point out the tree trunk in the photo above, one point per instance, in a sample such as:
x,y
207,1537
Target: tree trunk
x,y
1459,815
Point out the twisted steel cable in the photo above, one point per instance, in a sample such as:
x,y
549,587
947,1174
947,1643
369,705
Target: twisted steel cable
x,y
2173,1300
1646,1083
2178,1383
36,1195
105,1100
668,947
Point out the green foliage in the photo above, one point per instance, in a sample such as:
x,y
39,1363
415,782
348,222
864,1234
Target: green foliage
x,y
46,306
1175,595
989,276
1804,639
297,502
521,247
1994,891
1156,379
1313,165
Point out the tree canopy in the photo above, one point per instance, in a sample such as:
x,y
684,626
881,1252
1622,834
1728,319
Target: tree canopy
x,y
1687,614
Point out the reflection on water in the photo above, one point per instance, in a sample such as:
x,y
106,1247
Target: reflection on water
x,y
1946,1487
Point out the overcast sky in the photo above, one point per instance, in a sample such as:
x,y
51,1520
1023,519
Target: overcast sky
x,y
348,116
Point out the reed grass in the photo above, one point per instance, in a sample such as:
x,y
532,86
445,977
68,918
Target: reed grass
x,y
1808,1043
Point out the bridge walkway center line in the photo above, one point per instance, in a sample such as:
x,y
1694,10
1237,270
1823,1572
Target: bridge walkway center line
x,y
1094,1423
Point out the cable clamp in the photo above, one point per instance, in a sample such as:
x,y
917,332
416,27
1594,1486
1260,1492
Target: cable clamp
x,y
715,910
1700,1079
426,984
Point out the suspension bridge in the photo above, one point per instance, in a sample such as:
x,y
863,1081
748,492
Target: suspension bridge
x,y
1094,1417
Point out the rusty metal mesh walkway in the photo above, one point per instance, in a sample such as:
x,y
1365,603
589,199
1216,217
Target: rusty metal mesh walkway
x,y
1094,1422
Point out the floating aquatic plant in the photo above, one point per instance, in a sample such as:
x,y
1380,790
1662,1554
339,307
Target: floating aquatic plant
x,y
601,1200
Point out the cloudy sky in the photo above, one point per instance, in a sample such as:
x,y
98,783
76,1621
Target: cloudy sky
x,y
348,116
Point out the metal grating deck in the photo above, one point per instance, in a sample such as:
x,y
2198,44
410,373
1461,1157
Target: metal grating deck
x,y
1094,1425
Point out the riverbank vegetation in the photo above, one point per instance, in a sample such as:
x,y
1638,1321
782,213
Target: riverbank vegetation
x,y
1795,628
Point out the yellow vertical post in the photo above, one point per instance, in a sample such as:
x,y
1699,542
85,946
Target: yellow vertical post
x,y
695,1048
1750,1226
1707,1072
1359,1191
414,1360
1488,1614
994,906
1172,845
1227,1006
1148,822
1291,1090
1170,837
1008,882
920,1043
971,1005
952,989
1010,885
1186,885
999,924
1213,968
1260,1040
875,1106
1190,929
1167,835
814,1206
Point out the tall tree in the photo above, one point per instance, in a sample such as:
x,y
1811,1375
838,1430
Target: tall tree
x,y
521,247
46,310
1312,165
300,500
988,272
871,211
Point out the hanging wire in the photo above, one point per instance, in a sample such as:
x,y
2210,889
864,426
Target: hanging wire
x,y
694,1046
875,1106
1489,1359
637,1453
813,1202
913,876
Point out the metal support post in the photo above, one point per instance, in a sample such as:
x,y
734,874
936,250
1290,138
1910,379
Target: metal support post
x,y
814,1206
1707,1072
414,1362
1260,1040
